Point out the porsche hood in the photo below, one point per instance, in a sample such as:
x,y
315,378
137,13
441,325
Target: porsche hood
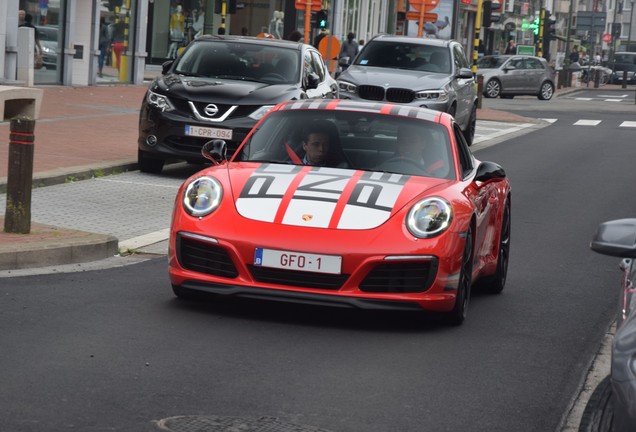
x,y
322,197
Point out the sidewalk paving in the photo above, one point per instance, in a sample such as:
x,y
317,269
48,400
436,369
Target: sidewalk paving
x,y
89,132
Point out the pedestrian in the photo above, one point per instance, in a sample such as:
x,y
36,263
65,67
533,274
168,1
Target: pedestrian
x,y
104,45
349,48
294,36
574,55
511,48
319,37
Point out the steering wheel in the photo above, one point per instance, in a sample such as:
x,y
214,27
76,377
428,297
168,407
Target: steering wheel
x,y
275,76
400,162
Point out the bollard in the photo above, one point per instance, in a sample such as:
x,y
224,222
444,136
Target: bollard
x,y
480,89
17,217
624,79
597,78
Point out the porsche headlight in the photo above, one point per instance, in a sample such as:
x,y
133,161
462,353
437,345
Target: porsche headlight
x,y
259,113
347,87
159,101
429,217
202,196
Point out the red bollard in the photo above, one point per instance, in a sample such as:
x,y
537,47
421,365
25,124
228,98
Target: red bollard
x,y
20,176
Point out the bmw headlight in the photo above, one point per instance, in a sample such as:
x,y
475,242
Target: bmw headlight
x,y
202,196
429,217
259,113
440,95
347,87
159,101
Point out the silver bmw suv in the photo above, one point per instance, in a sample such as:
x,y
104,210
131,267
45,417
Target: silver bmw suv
x,y
430,73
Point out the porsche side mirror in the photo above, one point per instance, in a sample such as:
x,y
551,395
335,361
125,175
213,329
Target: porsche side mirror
x,y
215,151
489,171
616,238
165,66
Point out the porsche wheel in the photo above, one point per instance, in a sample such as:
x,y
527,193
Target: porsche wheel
x,y
598,415
496,283
458,314
546,91
492,88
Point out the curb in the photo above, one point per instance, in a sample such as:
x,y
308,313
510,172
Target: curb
x,y
85,247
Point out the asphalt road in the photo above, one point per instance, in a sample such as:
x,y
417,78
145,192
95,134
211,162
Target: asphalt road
x,y
113,350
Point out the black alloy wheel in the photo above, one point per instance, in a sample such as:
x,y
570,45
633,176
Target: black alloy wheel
x,y
458,314
496,283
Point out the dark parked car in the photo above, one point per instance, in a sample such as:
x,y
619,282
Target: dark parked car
x,y
510,75
428,73
219,87
624,61
612,406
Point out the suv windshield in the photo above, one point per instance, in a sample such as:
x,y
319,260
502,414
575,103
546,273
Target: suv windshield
x,y
410,56
242,61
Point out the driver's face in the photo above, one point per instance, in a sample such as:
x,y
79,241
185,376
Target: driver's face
x,y
408,144
316,148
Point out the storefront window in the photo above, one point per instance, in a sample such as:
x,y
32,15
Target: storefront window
x,y
120,22
172,25
46,17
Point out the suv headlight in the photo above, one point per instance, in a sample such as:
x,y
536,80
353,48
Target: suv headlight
x,y
159,101
202,196
259,113
440,95
347,87
429,217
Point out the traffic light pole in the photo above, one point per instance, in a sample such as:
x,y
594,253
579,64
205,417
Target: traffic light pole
x,y
480,4
541,33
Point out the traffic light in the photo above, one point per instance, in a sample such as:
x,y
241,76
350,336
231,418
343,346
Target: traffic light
x,y
486,19
549,28
321,19
616,30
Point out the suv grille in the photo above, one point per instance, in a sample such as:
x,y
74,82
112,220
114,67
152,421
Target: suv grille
x,y
399,95
400,277
205,258
369,92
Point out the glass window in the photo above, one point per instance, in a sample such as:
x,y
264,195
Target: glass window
x,y
46,20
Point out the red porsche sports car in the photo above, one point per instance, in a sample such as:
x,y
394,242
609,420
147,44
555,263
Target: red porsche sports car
x,y
343,203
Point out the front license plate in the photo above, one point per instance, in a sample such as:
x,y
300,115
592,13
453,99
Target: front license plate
x,y
207,132
298,261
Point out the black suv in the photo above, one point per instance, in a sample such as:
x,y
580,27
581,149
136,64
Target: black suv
x,y
429,73
219,87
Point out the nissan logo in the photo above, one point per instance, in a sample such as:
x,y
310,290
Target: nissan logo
x,y
211,110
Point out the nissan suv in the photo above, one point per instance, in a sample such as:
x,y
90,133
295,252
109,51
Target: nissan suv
x,y
219,87
430,73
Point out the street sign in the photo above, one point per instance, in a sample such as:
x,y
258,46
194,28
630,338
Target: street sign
x,y
415,16
428,5
316,5
525,50
607,38
329,48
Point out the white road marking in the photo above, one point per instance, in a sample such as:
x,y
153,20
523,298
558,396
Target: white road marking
x,y
549,120
587,123
628,124
613,100
583,99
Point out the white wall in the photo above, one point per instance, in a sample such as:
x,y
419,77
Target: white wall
x,y
82,35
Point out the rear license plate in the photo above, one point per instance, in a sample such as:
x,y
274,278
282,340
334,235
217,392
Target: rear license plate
x,y
298,261
207,132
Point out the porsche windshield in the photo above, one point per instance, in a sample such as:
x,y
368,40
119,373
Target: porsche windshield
x,y
352,140
240,60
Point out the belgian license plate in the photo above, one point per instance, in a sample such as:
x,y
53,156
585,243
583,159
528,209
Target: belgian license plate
x,y
208,132
298,261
